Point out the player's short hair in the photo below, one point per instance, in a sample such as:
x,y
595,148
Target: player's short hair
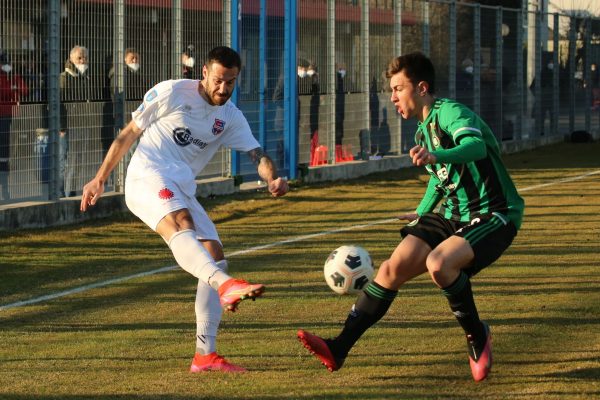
x,y
416,66
224,56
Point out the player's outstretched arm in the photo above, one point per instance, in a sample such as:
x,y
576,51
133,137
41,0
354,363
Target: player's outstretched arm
x,y
94,188
268,172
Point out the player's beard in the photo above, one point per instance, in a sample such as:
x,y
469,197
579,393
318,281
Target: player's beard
x,y
219,100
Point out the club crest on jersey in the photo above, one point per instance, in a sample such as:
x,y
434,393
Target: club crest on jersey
x,y
165,194
218,127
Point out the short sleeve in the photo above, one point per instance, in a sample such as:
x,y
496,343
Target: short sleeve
x,y
240,136
156,103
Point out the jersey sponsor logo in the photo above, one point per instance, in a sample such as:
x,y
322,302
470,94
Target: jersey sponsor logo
x,y
165,194
218,127
183,137
442,174
152,95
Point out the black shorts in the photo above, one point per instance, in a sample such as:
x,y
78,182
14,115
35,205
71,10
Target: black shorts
x,y
489,235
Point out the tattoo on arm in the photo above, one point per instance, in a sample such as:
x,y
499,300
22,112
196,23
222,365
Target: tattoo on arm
x,y
256,155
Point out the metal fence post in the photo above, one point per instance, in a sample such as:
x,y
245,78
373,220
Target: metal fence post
x,y
477,59
331,74
54,68
176,41
555,77
499,112
262,57
587,45
234,23
519,77
452,51
398,52
537,90
426,29
572,54
365,87
290,91
119,89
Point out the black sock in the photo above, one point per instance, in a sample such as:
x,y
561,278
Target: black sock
x,y
371,305
460,298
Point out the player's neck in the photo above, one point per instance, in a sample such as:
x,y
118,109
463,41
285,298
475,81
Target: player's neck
x,y
202,92
426,106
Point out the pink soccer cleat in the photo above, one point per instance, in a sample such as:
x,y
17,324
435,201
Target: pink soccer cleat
x,y
213,362
481,364
319,348
233,291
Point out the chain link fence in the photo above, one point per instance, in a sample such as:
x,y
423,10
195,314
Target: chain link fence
x,y
313,85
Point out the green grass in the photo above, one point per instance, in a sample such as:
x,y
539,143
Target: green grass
x,y
135,339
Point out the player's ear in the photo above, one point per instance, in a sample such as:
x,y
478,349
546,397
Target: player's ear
x,y
204,72
423,88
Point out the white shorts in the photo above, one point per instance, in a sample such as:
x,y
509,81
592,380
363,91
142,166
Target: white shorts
x,y
151,198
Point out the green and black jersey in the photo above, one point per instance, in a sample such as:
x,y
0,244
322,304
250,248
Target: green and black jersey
x,y
469,175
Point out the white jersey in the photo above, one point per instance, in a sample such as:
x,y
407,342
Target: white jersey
x,y
182,132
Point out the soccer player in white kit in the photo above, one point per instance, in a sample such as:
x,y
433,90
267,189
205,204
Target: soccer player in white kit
x,y
184,122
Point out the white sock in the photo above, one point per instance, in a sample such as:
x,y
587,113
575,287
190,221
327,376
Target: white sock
x,y
193,257
208,315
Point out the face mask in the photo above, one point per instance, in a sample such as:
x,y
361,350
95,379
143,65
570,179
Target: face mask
x,y
550,66
469,70
81,68
342,72
134,66
301,73
310,72
7,68
190,62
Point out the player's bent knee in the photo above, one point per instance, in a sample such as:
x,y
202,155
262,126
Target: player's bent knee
x,y
435,267
389,275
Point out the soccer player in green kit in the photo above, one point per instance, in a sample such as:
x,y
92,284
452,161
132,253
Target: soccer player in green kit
x,y
477,220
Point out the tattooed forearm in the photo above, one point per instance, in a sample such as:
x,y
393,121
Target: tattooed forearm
x,y
256,155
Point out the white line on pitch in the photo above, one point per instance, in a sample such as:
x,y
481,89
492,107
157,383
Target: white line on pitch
x,y
246,251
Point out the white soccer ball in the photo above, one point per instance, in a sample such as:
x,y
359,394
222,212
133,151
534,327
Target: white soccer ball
x,y
348,269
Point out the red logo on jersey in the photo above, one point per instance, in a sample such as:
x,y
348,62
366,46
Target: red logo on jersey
x,y
165,194
218,127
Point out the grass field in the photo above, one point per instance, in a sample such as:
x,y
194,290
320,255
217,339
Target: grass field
x,y
134,338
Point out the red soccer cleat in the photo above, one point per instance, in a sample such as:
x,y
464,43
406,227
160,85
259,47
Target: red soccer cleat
x,y
213,362
481,364
233,291
319,348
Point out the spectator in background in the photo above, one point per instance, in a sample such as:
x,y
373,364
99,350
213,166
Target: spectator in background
x,y
544,103
75,87
315,103
188,63
340,103
595,80
33,78
12,90
464,83
135,85
304,91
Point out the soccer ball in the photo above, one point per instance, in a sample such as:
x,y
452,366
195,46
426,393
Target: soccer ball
x,y
348,269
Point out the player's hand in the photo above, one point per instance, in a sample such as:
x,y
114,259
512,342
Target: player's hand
x,y
91,193
278,187
421,156
408,217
